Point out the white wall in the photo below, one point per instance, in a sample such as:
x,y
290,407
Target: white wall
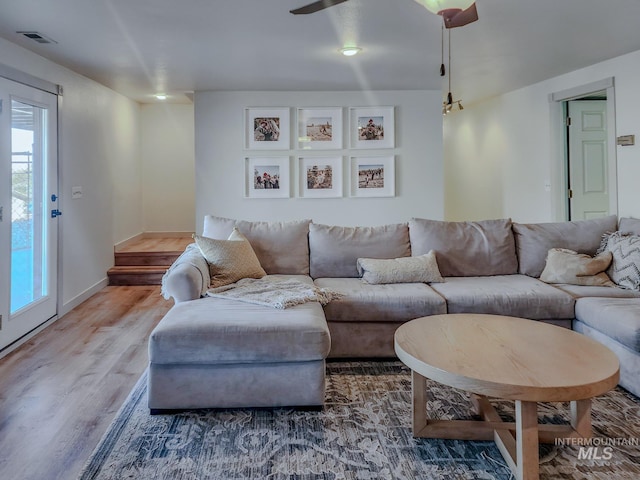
x,y
100,152
499,154
168,168
220,153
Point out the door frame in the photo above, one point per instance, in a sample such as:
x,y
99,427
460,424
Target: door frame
x,y
559,168
18,76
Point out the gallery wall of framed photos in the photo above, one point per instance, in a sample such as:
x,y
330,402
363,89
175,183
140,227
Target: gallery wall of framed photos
x,y
318,148
320,159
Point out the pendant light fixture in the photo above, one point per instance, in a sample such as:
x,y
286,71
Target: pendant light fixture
x,y
448,103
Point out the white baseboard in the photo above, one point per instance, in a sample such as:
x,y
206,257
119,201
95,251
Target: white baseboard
x,y
120,245
85,295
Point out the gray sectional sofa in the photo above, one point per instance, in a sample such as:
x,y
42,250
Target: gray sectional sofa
x,y
212,352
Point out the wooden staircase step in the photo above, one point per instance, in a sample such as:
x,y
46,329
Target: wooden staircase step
x,y
137,274
146,258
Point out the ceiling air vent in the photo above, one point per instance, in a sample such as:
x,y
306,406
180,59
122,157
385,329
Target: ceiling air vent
x,y
38,37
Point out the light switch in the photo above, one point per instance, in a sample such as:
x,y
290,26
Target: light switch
x,y
76,192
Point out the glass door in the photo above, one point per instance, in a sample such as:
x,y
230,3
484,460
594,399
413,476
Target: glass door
x,y
28,215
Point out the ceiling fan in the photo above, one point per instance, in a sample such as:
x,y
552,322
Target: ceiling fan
x,y
455,13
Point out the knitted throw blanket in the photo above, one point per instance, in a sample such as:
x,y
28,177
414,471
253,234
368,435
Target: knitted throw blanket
x,y
274,292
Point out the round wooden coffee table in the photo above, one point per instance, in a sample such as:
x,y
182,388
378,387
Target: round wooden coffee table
x,y
508,358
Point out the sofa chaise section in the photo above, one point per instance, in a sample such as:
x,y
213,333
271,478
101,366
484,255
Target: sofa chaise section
x,y
218,353
615,322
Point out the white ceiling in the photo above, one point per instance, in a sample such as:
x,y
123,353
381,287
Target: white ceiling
x,y
140,47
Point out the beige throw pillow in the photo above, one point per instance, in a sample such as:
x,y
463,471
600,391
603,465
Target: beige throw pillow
x,y
423,268
229,260
568,266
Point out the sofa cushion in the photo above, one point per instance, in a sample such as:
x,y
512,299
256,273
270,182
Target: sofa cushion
x,y
566,266
629,225
534,240
229,260
334,251
281,247
618,318
511,295
466,249
579,291
400,270
216,331
625,265
380,303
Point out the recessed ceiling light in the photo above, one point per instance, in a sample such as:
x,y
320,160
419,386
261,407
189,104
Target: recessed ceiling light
x,y
350,51
161,96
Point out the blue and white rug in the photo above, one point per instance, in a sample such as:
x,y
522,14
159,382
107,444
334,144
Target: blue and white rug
x,y
363,433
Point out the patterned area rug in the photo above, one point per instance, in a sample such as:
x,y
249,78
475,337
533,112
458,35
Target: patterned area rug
x,y
363,433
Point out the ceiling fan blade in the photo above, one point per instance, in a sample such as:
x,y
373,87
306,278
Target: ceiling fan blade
x,y
462,18
316,7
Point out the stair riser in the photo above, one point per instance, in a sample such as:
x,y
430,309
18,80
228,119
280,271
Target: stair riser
x,y
145,259
135,279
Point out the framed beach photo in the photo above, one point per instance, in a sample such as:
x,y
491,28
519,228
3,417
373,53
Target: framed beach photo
x,y
267,177
320,128
320,177
372,127
267,128
373,176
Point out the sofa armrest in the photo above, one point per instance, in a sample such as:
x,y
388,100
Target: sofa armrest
x,y
188,277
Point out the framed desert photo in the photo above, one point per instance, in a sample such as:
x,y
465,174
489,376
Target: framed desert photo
x,y
267,128
319,128
373,176
267,177
320,177
372,127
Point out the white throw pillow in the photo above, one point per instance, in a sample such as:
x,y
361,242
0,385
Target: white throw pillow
x,y
229,260
423,268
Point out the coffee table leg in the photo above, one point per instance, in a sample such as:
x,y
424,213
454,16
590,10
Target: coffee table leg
x,y
419,394
581,417
527,458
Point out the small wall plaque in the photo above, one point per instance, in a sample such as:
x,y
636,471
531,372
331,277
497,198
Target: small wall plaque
x,y
626,140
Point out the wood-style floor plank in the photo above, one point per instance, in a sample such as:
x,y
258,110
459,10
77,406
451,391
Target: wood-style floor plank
x,y
60,391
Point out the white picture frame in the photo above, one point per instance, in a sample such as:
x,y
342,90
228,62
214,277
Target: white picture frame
x,y
319,128
320,177
267,128
373,176
372,127
274,170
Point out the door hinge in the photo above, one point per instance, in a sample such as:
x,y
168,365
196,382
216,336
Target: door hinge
x,y
570,193
568,121
1,213
0,322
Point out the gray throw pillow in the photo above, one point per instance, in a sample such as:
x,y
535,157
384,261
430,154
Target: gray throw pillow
x,y
567,266
421,269
625,265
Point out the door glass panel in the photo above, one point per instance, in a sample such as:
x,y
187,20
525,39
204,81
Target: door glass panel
x,y
28,216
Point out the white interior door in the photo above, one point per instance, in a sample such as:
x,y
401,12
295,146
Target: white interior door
x,y
588,162
28,199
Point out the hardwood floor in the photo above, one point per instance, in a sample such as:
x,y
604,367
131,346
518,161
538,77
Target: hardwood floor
x,y
60,390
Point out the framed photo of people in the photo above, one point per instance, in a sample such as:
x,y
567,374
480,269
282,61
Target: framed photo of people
x,y
373,176
372,127
320,177
267,177
319,128
267,128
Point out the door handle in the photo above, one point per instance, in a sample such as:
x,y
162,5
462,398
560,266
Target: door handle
x,y
55,213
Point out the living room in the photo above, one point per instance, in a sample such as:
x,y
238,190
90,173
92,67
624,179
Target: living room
x,y
160,167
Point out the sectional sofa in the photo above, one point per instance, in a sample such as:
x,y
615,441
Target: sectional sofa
x,y
213,352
